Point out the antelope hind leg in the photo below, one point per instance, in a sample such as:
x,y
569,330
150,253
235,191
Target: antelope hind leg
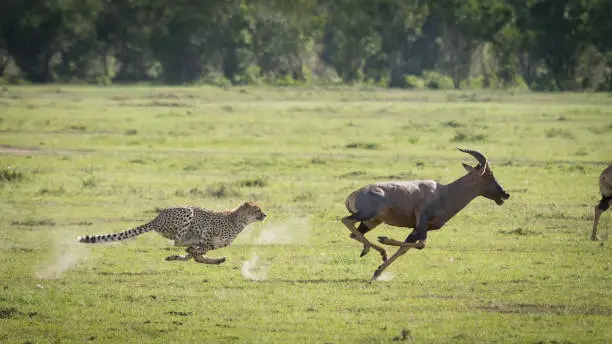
x,y
356,234
595,222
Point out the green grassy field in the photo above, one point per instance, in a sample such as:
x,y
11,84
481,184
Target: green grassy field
x,y
87,160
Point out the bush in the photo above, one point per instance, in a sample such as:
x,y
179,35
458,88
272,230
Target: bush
x,y
251,76
472,83
436,81
328,76
414,82
215,79
10,79
287,80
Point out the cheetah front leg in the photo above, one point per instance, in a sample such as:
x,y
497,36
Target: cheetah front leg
x,y
198,255
192,252
179,257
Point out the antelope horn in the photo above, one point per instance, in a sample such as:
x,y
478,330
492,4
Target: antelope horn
x,y
482,160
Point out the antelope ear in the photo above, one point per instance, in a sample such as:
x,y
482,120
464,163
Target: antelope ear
x,y
484,168
468,167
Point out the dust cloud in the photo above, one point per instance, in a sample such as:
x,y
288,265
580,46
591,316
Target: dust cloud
x,y
385,276
290,232
294,231
67,252
253,270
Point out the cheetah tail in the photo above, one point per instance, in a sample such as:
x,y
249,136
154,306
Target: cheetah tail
x,y
130,233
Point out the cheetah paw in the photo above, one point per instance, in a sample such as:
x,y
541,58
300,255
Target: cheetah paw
x,y
176,257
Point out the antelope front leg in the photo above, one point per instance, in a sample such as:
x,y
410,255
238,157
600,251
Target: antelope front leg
x,y
384,265
392,242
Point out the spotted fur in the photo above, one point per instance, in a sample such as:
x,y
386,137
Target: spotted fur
x,y
200,230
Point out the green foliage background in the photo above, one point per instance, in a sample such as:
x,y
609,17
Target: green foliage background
x,y
541,45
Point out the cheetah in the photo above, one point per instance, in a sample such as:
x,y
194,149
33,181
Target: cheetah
x,y
200,230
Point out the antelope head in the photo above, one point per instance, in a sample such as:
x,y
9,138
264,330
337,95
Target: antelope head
x,y
484,180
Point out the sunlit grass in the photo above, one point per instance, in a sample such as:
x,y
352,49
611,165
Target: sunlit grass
x,y
85,160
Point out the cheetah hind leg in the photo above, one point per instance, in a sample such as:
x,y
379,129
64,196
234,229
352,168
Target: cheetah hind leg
x,y
192,251
206,260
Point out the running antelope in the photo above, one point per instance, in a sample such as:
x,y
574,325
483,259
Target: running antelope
x,y
419,204
605,186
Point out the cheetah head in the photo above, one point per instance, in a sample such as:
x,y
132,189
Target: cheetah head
x,y
253,211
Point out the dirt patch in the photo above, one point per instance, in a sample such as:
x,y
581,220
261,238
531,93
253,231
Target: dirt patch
x,y
522,308
521,232
34,222
8,149
14,150
181,314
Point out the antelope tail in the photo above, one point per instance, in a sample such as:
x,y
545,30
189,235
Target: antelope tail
x,y
130,233
350,203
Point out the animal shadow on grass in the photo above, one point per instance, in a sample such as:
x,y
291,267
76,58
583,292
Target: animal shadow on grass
x,y
13,312
315,281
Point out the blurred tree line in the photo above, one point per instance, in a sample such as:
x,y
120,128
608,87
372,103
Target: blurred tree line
x,y
540,44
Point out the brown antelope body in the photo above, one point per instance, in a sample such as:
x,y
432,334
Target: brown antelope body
x,y
419,204
605,186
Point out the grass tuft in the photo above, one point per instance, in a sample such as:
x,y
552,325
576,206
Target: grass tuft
x,y
362,145
254,182
520,232
77,127
9,312
562,133
89,182
221,191
10,174
463,136
54,192
453,124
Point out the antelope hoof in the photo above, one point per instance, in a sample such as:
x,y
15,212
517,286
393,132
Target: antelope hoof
x,y
366,249
383,240
384,255
376,275
419,245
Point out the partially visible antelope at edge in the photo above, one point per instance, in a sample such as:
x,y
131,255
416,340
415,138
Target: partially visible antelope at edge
x,y
420,204
605,186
